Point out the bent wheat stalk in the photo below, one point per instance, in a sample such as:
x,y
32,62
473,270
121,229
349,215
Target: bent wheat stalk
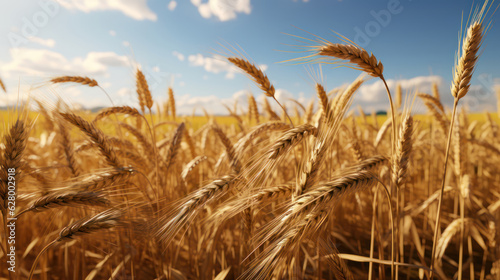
x,y
66,199
258,77
104,220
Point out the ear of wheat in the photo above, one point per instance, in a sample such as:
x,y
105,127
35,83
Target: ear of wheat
x,y
145,98
67,199
15,145
255,73
75,79
95,135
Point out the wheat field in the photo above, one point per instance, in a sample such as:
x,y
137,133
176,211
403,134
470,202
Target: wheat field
x,y
318,191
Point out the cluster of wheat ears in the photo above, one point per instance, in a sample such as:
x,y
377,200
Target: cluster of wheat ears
x,y
130,194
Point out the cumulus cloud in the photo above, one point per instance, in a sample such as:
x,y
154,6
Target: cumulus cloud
x,y
215,105
179,55
224,10
216,64
372,96
36,62
186,104
213,64
376,91
172,5
44,42
123,92
136,9
73,91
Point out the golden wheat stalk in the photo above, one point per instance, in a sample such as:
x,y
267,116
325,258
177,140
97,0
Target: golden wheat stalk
x,y
67,198
356,56
323,98
428,99
95,135
171,102
105,220
168,226
2,85
105,179
255,73
246,141
175,144
291,138
15,145
403,152
463,70
343,99
191,165
142,90
75,79
235,163
464,67
190,143
399,96
435,91
67,148
117,110
258,76
303,218
145,143
272,115
253,110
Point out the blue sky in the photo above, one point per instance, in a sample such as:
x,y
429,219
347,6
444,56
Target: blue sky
x,y
179,44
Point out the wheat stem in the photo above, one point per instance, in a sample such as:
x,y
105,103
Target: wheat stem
x,y
440,201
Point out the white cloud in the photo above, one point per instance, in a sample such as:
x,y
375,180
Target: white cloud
x,y
214,104
224,10
73,91
373,96
123,92
205,11
172,5
376,91
36,62
136,9
283,96
213,64
112,33
44,42
186,103
105,84
216,64
179,55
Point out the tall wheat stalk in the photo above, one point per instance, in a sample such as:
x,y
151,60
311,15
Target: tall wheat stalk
x,y
463,70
